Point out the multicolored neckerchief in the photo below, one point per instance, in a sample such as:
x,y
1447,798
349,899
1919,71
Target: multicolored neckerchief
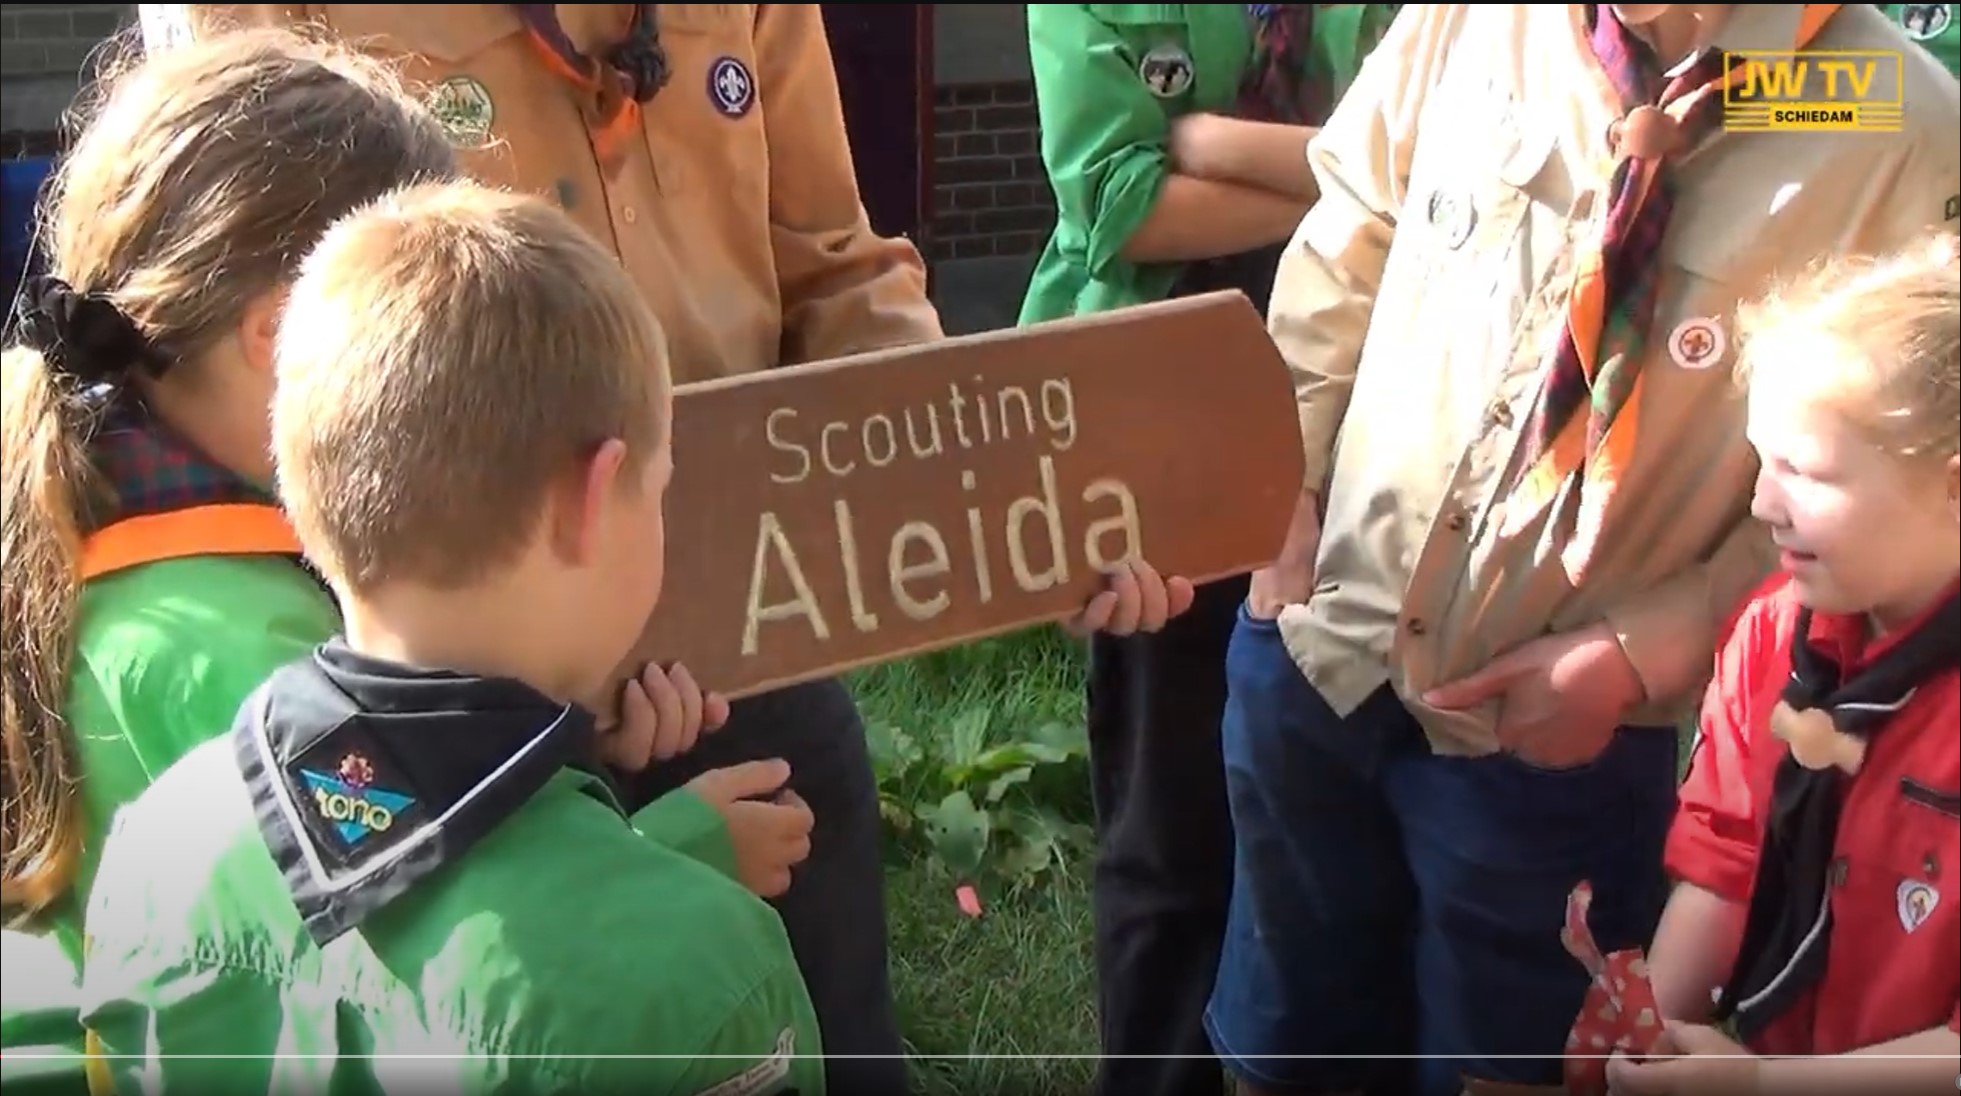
x,y
1282,84
1587,416
150,470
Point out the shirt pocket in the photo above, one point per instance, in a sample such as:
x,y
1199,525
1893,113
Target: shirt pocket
x,y
706,128
1155,42
1900,898
1470,199
473,65
449,35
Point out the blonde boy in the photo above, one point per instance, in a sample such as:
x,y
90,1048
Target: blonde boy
x,y
404,847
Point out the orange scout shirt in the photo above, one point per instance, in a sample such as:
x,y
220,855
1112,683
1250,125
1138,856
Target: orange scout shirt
x,y
737,211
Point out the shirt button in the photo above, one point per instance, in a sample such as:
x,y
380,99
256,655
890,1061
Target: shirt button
x,y
1838,872
629,214
1455,522
1501,415
1417,627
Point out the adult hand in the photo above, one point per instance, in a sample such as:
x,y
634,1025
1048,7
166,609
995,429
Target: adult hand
x,y
1137,599
1561,697
662,714
769,824
1289,579
1692,1060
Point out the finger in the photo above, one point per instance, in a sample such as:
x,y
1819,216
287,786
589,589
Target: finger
x,y
667,709
749,780
630,744
1094,615
796,852
1623,1076
691,704
774,884
798,818
1153,600
1130,600
714,711
1474,688
1179,593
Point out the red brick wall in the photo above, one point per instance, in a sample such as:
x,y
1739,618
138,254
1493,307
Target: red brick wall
x,y
990,195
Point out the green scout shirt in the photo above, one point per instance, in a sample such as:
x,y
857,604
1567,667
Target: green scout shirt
x,y
1109,79
562,937
1935,26
164,653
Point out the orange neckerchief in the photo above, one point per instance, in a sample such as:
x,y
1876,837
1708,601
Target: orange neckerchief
x,y
631,73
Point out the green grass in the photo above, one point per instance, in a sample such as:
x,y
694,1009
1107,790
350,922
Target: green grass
x,y
1018,980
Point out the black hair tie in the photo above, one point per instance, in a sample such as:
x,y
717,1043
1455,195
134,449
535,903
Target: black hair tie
x,y
84,336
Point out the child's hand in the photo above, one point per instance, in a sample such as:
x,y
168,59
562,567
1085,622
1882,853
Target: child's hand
x,y
661,716
1138,600
1690,1060
768,823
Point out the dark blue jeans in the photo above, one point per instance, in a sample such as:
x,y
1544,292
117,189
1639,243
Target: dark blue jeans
x,y
1391,902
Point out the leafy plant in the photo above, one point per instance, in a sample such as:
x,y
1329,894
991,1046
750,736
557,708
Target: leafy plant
x,y
985,802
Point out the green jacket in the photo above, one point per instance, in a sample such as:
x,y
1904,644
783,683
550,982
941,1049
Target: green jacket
x,y
1935,26
1104,126
391,923
164,653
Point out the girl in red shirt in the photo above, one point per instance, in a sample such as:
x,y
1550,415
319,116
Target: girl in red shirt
x,y
1818,843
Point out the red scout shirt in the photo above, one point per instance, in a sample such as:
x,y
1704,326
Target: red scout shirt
x,y
1894,968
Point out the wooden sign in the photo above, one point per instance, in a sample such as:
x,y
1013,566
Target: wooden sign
x,y
874,507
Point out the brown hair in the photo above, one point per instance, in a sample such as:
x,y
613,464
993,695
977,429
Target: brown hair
x,y
200,179
444,356
1896,320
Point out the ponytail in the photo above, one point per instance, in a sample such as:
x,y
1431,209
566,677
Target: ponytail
x,y
46,484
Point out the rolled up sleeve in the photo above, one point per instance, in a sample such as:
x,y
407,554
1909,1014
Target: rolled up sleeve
x,y
1716,835
845,288
1325,288
1103,134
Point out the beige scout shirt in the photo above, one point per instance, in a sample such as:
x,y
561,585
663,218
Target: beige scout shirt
x,y
1417,298
738,212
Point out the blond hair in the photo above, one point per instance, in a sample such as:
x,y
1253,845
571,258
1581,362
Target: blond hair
x,y
201,177
1884,341
446,354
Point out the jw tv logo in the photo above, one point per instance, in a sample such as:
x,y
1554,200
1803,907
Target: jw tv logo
x,y
1811,91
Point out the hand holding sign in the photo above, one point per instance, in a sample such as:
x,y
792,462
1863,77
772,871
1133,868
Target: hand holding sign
x,y
1138,600
662,713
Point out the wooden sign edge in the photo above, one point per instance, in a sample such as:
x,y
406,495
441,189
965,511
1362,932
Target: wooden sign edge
x,y
1088,321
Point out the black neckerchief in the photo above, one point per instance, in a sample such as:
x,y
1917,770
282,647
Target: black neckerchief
x,y
367,776
1787,932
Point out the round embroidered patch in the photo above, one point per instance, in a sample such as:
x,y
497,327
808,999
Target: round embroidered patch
x,y
730,87
1697,343
1167,71
462,104
1926,22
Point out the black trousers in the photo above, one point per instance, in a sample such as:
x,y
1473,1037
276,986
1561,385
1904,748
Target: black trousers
x,y
1163,874
835,908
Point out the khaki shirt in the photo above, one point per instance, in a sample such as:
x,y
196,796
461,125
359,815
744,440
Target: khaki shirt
x,y
738,212
1415,302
